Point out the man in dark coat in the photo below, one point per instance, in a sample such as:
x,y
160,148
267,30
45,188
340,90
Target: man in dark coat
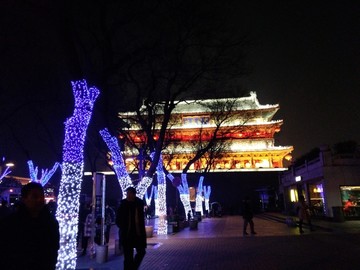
x,y
248,215
29,236
131,222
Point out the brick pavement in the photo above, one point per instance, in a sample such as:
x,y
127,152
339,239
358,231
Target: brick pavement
x,y
218,244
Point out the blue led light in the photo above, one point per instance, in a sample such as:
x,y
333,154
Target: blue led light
x,y
45,174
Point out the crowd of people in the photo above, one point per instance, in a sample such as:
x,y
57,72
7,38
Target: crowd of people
x,y
31,231
30,235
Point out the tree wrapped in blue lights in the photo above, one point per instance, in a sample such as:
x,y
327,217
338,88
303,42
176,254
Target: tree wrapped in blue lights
x,y
118,161
72,172
45,174
120,169
183,189
207,192
199,197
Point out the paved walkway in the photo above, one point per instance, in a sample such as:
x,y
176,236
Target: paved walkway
x,y
219,244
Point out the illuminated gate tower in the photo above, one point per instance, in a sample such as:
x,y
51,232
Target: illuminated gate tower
x,y
250,145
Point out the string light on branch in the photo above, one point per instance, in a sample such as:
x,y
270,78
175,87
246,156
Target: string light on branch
x,y
45,174
142,186
6,172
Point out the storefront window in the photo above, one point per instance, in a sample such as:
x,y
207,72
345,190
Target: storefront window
x,y
316,193
350,197
293,195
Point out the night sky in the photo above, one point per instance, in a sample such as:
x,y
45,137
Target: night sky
x,y
305,57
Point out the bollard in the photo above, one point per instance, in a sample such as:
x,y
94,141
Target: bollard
x,y
170,229
101,253
193,224
149,231
118,248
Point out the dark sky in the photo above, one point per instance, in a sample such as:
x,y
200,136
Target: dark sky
x,y
305,57
307,60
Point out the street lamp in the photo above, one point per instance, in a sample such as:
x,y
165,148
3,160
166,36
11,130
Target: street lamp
x,y
9,164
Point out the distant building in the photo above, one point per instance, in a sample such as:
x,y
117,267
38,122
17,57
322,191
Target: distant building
x,y
247,135
329,182
10,189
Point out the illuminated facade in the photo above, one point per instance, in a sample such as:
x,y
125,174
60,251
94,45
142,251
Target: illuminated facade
x,y
248,135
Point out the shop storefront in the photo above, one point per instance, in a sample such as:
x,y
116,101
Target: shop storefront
x,y
317,199
313,193
330,185
350,198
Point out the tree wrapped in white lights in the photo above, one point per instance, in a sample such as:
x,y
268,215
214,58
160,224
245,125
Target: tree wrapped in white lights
x,y
161,197
45,174
199,197
120,169
118,161
207,192
148,198
156,201
161,187
72,172
183,189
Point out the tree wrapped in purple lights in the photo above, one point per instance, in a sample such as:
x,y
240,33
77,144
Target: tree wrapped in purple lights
x,y
72,172
45,174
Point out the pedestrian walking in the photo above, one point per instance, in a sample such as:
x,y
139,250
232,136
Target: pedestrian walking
x,y
109,220
29,236
87,232
131,222
247,213
85,209
303,211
